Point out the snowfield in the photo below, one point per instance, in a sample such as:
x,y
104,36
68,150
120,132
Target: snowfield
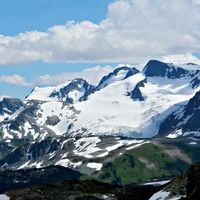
x,y
111,112
4,197
96,166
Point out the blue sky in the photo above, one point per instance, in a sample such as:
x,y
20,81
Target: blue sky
x,y
39,42
22,15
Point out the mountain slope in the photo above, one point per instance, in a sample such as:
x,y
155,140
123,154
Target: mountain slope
x,y
39,119
70,92
184,121
8,106
118,74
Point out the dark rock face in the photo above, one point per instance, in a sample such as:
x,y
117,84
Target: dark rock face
x,y
30,152
196,80
43,147
193,104
105,79
10,105
187,121
161,69
136,93
131,72
14,157
27,114
52,121
193,109
5,149
168,125
78,84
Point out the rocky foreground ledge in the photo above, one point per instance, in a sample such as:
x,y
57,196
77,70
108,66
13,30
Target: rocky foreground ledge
x,y
186,186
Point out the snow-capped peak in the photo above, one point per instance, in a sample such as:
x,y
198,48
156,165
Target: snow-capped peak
x,y
117,75
41,93
77,90
71,91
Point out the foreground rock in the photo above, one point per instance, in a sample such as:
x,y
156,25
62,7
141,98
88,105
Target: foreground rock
x,y
83,190
186,186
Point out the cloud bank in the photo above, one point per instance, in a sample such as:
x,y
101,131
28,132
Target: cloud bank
x,y
93,75
15,79
133,31
181,59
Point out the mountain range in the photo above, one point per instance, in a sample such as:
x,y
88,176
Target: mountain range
x,y
123,130
126,102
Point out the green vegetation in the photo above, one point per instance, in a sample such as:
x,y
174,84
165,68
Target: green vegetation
x,y
145,163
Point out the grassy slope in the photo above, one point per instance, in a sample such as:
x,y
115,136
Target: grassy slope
x,y
145,163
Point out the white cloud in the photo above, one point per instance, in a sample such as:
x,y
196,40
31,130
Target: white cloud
x,y
15,80
133,31
196,1
93,75
181,59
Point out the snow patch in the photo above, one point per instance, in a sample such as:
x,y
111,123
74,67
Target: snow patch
x,y
137,145
41,93
96,166
4,197
157,182
67,163
161,195
175,134
86,146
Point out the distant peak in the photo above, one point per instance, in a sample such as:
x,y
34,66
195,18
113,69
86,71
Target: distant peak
x,y
76,90
160,69
156,63
118,74
120,69
78,81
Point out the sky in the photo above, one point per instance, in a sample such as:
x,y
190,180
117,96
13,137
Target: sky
x,y
48,42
